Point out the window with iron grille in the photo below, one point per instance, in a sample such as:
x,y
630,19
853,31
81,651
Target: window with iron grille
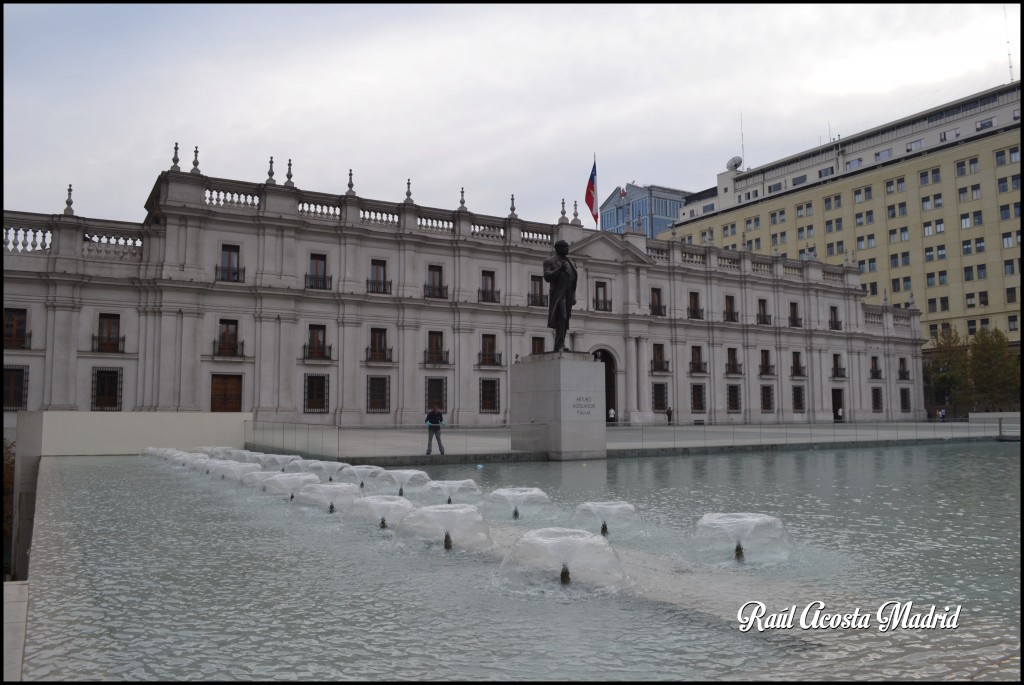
x,y
732,393
798,398
378,394
697,398
229,269
436,393
659,396
15,325
489,399
15,388
767,398
905,399
316,397
876,399
106,388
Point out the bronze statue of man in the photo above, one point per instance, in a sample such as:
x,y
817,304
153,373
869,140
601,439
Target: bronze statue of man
x,y
561,274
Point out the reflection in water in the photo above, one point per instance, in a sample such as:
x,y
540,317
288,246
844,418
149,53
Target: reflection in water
x,y
279,590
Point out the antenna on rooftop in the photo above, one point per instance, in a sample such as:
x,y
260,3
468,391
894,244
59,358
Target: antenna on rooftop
x,y
743,150
1009,58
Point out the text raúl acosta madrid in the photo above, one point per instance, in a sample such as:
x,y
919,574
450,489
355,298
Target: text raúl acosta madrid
x,y
889,616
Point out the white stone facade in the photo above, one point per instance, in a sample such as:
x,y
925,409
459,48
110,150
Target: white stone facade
x,y
161,284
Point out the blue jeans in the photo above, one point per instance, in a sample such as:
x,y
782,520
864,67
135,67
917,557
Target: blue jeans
x,y
431,434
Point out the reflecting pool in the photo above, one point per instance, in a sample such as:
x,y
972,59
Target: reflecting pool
x,y
143,569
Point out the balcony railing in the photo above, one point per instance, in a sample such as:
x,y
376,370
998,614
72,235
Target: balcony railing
x,y
764,319
489,359
378,287
876,374
657,310
733,368
766,370
230,274
835,325
318,282
904,374
730,316
18,342
798,371
378,354
838,372
226,348
698,367
438,292
537,300
796,322
694,313
435,357
601,305
106,343
659,365
317,351
483,295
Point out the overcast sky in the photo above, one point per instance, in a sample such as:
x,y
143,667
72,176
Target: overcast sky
x,y
498,99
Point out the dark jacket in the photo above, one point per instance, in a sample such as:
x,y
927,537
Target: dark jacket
x,y
434,420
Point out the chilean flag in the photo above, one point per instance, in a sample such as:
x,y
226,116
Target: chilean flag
x,y
592,192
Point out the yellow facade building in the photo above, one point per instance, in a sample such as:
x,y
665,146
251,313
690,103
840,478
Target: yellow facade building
x,y
928,208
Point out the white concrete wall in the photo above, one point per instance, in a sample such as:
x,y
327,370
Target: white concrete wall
x,y
82,433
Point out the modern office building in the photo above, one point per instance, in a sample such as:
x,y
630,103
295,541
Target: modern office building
x,y
641,209
927,208
330,308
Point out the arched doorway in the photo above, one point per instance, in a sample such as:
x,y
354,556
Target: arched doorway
x,y
606,357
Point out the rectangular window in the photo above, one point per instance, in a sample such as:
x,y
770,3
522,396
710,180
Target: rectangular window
x,y
883,155
378,394
489,355
876,399
659,396
436,393
798,399
316,345
488,292
732,393
767,398
108,338
537,344
435,287
315,399
227,344
378,281
316,279
904,400
697,398
379,350
15,328
106,389
15,388
229,269
489,398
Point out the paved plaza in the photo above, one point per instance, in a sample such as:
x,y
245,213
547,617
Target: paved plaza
x,y
407,445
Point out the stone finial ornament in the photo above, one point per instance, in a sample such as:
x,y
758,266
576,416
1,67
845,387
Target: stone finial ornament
x,y
575,215
288,183
174,159
195,163
351,185
67,210
512,208
408,191
563,219
270,174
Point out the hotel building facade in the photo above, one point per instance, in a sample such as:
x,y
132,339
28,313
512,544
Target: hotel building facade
x,y
328,308
927,208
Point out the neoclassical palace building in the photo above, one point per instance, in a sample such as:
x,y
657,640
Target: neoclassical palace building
x,y
337,309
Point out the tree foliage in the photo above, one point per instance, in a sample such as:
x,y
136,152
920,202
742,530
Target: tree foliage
x,y
994,371
946,372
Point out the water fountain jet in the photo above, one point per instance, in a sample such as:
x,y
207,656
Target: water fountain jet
x,y
746,536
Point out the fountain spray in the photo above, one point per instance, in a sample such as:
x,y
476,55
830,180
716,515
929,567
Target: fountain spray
x,y
383,523
739,553
447,540
331,509
515,512
565,574
604,528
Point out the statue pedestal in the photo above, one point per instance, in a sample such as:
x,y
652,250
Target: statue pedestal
x,y
558,406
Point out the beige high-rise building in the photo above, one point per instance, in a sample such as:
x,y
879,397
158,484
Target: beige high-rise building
x,y
927,207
